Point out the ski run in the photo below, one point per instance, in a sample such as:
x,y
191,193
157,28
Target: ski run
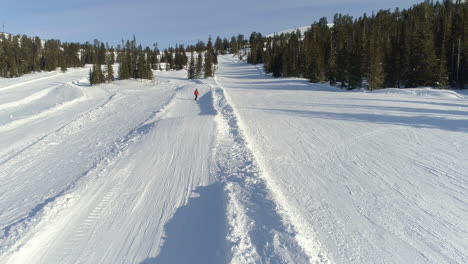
x,y
257,170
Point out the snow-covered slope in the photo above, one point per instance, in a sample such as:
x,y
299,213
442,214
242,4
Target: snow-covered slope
x,y
301,29
258,170
380,177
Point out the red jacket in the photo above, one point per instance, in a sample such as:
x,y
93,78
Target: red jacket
x,y
195,93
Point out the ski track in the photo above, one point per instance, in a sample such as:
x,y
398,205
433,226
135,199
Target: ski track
x,y
263,227
54,212
78,120
29,99
61,107
187,183
258,231
353,164
8,87
14,234
18,227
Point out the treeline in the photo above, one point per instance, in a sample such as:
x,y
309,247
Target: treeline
x,y
426,45
138,62
134,62
203,64
22,54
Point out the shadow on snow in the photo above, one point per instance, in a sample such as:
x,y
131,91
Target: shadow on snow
x,y
206,104
460,125
197,231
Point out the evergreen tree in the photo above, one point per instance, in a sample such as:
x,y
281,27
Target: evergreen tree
x,y
199,65
143,67
209,60
219,47
211,52
423,58
96,75
332,69
63,64
234,46
191,67
124,67
256,42
101,54
51,55
109,70
208,65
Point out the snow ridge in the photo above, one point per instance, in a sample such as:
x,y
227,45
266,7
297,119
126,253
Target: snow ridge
x,y
259,231
12,235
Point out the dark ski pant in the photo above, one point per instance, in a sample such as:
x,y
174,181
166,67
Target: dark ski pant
x,y
196,96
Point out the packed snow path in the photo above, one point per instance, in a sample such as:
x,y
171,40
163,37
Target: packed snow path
x,y
151,180
258,170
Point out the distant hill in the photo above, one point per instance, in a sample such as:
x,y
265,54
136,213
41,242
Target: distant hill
x,y
302,29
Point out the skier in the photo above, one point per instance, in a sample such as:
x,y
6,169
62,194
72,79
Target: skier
x,y
196,94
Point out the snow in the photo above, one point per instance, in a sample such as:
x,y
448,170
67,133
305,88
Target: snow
x,y
301,29
422,92
258,170
381,178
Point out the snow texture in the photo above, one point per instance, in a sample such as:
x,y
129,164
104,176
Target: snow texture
x,y
257,170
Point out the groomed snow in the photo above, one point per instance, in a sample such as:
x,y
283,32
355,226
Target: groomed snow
x,y
258,170
380,177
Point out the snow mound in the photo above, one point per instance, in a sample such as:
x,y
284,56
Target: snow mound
x,y
46,101
427,92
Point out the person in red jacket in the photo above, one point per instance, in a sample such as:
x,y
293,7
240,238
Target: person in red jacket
x,y
196,94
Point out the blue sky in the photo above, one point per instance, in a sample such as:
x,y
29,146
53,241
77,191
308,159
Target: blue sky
x,y
168,22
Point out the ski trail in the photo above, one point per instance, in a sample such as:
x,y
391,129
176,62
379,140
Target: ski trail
x,y
12,236
89,222
70,127
61,107
38,79
29,99
262,227
27,82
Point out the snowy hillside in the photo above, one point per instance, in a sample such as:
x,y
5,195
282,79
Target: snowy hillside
x,y
301,29
258,170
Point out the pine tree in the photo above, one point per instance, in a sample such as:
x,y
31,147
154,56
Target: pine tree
x,y
234,46
109,70
124,67
149,71
442,80
331,74
63,65
51,55
219,47
208,65
91,77
209,60
191,67
96,76
199,65
423,58
101,52
143,67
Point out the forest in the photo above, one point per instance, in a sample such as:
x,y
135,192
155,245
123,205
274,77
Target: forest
x,y
425,45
